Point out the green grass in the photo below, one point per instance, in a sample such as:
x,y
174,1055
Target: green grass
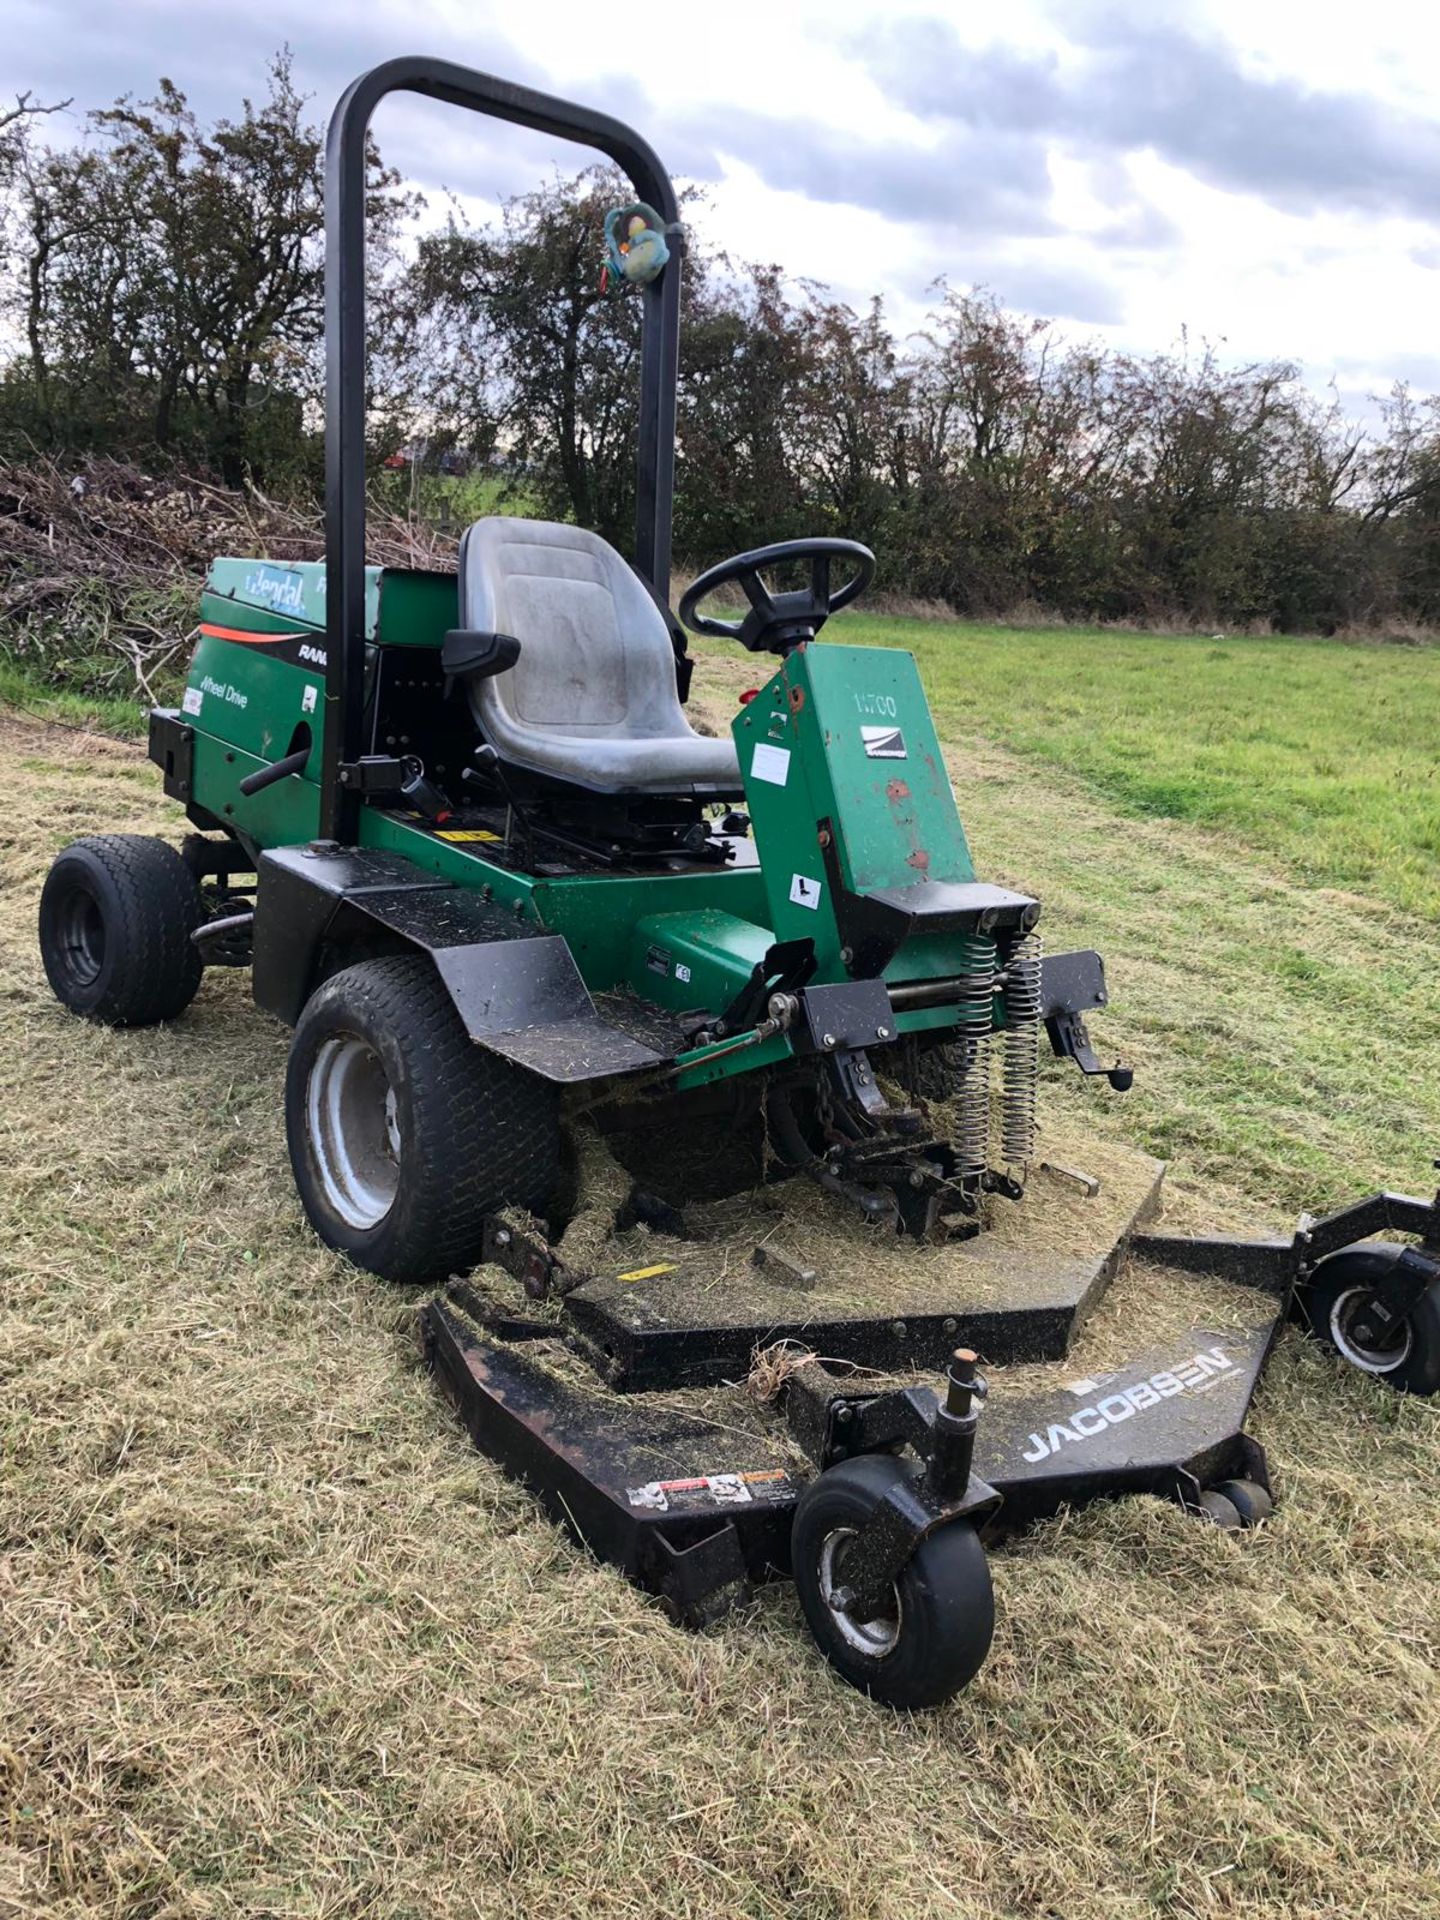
x,y
1319,753
29,694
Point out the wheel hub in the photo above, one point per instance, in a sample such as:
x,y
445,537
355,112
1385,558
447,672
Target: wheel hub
x,y
82,937
875,1637
353,1122
1349,1334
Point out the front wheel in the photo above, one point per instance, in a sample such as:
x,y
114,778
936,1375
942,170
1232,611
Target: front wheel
x,y
1332,1307
403,1133
932,1637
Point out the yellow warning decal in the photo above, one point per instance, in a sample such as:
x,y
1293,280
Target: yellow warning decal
x,y
467,833
647,1273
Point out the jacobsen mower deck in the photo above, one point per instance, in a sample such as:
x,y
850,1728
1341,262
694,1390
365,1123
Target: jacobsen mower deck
x,y
675,1055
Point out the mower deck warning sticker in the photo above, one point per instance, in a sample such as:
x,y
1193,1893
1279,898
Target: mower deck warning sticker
x,y
194,700
707,1489
466,833
883,743
805,892
770,763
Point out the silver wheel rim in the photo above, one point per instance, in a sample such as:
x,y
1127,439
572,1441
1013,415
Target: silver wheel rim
x,y
354,1128
874,1638
1367,1359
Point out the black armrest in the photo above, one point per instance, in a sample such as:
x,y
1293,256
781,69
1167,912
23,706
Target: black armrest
x,y
467,655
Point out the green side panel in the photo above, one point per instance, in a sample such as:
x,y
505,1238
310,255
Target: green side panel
x,y
597,915
784,803
416,609
285,815
247,697
247,706
287,593
865,731
403,607
844,734
689,960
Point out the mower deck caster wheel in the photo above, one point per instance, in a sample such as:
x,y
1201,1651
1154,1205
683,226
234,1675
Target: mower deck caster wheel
x,y
1222,1512
933,1635
1250,1500
1331,1306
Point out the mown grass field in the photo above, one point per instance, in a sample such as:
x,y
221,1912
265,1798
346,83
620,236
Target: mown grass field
x,y
275,1641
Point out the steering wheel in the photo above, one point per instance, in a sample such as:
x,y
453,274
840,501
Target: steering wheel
x,y
780,622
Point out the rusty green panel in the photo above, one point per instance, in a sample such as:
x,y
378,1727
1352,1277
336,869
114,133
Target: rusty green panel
x,y
844,735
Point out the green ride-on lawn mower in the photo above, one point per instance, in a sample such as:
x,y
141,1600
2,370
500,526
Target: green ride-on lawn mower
x,y
669,1057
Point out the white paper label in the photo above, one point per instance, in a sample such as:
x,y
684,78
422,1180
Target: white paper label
x,y
194,700
307,699
771,763
805,892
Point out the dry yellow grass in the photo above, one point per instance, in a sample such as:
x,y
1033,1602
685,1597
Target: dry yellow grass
x,y
275,1641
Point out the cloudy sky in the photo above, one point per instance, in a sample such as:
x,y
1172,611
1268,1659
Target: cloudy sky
x,y
1264,173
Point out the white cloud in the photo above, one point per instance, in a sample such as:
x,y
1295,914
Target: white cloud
x,y
1280,202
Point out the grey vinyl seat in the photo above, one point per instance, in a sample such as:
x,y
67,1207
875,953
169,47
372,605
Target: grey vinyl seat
x,y
592,698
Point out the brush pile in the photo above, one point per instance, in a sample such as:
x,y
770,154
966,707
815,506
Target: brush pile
x,y
100,566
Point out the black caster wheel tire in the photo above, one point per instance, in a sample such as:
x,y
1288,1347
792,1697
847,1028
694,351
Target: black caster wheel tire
x,y
404,1134
1330,1306
933,1638
1220,1511
1249,1499
116,915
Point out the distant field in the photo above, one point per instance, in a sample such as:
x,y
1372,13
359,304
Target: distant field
x,y
1325,754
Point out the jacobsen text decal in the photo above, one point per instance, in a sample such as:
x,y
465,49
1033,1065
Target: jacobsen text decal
x,y
1195,1375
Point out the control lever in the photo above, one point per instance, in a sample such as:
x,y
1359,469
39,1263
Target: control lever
x,y
490,761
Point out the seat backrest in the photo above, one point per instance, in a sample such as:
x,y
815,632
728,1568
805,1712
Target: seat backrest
x,y
595,652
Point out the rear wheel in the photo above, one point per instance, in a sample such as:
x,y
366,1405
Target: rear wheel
x,y
403,1133
1333,1303
931,1638
116,917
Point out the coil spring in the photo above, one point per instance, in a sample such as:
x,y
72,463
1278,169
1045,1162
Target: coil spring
x,y
972,1103
1022,1051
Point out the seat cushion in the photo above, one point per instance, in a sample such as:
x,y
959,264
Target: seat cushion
x,y
592,699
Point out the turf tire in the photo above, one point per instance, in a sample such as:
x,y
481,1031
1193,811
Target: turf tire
x,y
945,1604
472,1132
1250,1500
116,915
1325,1304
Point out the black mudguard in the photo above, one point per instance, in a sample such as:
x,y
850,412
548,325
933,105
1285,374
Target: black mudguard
x,y
518,992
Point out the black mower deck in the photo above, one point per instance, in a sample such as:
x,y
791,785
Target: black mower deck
x,y
691,1493
791,1262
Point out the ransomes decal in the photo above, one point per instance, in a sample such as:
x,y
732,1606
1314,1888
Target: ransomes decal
x,y
1196,1375
883,743
295,649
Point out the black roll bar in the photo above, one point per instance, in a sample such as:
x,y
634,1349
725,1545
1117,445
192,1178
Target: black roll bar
x,y
345,150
